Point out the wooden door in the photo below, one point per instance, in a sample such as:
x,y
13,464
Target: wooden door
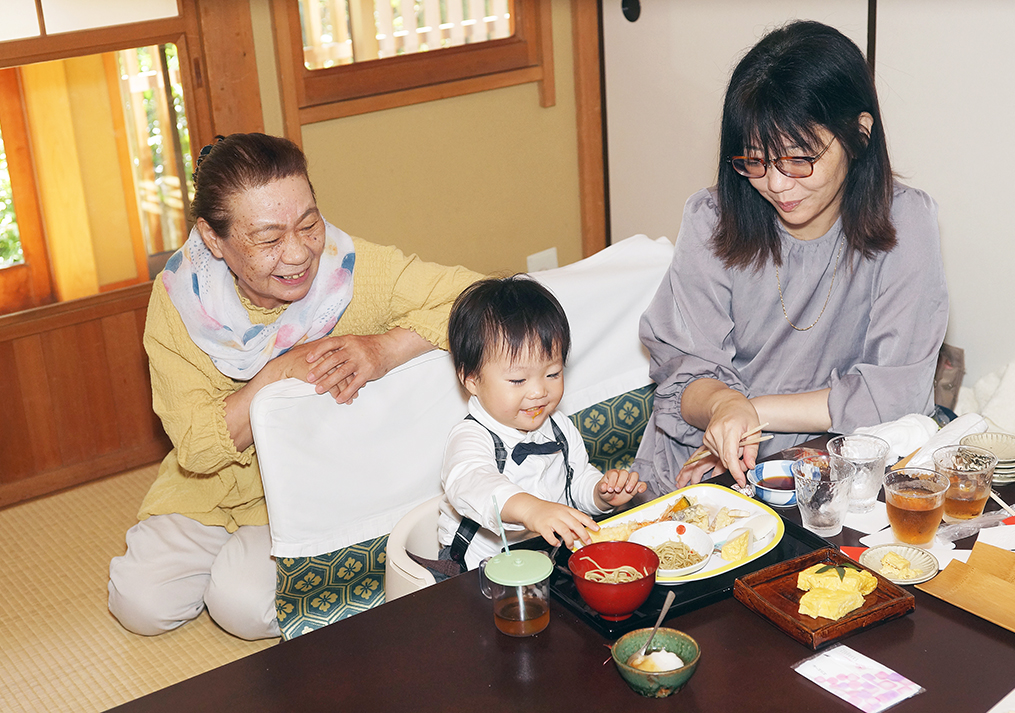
x,y
27,284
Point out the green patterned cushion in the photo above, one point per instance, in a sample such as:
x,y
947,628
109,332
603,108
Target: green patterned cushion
x,y
312,592
612,429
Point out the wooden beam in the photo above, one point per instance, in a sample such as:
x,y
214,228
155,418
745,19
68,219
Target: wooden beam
x,y
585,26
227,38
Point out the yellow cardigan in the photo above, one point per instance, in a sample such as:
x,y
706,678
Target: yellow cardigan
x,y
204,477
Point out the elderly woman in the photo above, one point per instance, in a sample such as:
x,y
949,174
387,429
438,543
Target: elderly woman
x,y
807,289
264,289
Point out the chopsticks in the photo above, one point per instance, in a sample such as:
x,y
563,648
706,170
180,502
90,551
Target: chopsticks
x,y
748,439
1002,503
903,462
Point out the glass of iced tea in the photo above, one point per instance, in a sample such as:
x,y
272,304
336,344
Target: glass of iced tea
x,y
518,582
915,499
970,470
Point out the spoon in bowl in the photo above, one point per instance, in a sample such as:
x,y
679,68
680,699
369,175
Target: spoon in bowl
x,y
638,656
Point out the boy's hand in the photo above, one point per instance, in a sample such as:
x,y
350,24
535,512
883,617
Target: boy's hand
x,y
548,519
618,487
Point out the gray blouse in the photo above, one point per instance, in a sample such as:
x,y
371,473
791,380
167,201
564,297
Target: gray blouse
x,y
875,346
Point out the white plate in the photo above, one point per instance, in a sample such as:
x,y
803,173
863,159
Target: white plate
x,y
713,497
694,537
1000,444
918,559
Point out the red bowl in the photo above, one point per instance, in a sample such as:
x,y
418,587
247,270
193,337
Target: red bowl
x,y
614,602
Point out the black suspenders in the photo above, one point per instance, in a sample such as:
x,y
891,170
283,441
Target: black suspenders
x,y
469,527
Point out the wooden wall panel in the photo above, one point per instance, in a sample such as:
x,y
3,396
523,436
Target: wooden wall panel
x,y
75,394
37,404
79,376
129,377
16,460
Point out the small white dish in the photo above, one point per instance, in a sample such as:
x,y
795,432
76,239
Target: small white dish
x,y
694,537
919,559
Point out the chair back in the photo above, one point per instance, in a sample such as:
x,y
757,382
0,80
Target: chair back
x,y
416,533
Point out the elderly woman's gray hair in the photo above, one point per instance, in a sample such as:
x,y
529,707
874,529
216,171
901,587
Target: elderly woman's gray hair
x,y
236,163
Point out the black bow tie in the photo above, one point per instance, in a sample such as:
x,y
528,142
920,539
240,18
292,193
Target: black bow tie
x,y
520,451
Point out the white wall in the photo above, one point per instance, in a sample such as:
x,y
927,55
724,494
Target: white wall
x,y
665,79
945,80
944,72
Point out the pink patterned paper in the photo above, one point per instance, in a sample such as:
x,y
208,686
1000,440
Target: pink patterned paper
x,y
857,679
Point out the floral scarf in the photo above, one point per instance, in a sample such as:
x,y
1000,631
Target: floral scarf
x,y
203,290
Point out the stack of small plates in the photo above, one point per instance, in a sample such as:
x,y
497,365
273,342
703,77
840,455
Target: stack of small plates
x,y
1003,446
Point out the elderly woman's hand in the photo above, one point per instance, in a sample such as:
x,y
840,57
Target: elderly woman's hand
x,y
342,365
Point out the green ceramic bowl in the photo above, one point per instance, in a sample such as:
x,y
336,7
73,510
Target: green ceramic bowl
x,y
663,683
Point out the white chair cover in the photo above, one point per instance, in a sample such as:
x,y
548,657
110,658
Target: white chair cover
x,y
335,474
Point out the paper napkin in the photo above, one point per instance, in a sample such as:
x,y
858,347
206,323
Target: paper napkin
x,y
1002,536
873,521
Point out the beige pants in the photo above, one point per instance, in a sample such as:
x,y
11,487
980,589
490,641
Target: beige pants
x,y
175,567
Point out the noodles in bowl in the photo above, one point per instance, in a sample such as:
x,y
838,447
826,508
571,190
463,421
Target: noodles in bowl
x,y
677,555
622,577
612,575
682,548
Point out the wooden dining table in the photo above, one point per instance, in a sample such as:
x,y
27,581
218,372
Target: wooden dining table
x,y
438,650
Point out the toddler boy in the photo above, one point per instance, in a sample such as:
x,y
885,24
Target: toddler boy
x,y
509,340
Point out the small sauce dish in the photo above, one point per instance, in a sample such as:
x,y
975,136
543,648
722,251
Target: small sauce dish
x,y
773,483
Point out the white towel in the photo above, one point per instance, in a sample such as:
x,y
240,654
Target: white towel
x,y
993,396
949,435
904,435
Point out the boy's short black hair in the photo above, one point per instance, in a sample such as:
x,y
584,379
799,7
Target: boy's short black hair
x,y
510,314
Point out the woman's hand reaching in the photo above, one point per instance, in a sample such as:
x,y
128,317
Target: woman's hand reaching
x,y
730,416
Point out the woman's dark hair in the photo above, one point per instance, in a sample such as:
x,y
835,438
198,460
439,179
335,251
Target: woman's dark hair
x,y
511,314
236,163
796,80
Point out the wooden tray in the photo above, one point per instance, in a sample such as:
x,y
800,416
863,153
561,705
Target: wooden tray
x,y
772,593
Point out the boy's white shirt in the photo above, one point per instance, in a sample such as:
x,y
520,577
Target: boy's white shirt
x,y
471,480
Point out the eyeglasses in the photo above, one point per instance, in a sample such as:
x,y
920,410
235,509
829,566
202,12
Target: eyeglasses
x,y
790,166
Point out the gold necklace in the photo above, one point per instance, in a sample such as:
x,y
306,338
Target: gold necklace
x,y
827,297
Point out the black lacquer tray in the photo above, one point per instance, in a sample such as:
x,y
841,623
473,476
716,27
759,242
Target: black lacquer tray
x,y
690,596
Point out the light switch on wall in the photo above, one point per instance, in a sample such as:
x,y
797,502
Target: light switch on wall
x,y
544,260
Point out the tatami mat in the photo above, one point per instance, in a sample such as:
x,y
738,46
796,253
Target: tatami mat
x,y
60,648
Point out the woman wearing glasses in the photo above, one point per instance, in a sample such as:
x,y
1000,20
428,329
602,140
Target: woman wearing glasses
x,y
807,290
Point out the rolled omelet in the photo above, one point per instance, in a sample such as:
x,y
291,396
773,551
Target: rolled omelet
x,y
735,548
856,580
830,603
898,567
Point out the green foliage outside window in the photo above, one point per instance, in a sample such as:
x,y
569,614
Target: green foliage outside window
x,y
10,238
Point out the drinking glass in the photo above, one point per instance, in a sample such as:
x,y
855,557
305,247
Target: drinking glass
x,y
916,501
821,494
970,470
864,456
518,582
